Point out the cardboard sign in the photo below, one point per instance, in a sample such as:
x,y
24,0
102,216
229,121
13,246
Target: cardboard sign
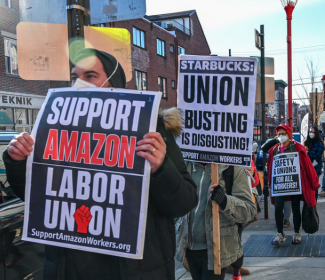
x,y
217,99
286,175
86,188
43,50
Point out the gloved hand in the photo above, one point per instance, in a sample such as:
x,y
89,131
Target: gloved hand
x,y
219,196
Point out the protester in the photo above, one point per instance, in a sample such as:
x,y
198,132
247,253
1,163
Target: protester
x,y
309,183
315,148
254,151
172,191
234,196
287,204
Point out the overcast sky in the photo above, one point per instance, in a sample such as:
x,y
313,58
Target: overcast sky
x,y
230,25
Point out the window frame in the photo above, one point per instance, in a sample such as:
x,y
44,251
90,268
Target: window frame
x,y
8,4
180,48
8,58
144,37
164,86
172,47
162,42
142,81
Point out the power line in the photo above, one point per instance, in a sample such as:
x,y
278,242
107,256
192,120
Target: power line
x,y
317,47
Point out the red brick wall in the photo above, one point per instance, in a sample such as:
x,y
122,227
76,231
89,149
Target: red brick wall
x,y
148,61
9,18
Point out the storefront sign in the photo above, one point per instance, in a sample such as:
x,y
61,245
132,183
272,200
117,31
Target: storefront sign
x,y
86,188
19,100
286,175
217,99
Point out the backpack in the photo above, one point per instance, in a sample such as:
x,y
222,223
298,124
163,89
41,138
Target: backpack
x,y
228,176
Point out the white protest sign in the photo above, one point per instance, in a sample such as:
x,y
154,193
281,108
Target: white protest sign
x,y
217,99
304,128
86,188
286,175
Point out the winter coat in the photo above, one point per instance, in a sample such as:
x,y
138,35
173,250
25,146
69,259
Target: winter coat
x,y
309,178
172,194
240,208
316,154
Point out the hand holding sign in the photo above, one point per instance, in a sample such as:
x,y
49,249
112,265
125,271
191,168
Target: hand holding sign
x,y
152,148
82,217
21,146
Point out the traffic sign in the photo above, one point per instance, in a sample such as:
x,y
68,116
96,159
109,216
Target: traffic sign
x,y
100,11
257,40
269,65
44,55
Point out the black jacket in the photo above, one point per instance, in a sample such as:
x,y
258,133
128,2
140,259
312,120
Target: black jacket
x,y
172,194
269,144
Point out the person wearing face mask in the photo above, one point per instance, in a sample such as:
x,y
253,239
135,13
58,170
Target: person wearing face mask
x,y
172,191
315,148
309,183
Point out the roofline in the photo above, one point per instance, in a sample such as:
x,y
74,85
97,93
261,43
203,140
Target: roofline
x,y
202,30
281,82
171,17
158,26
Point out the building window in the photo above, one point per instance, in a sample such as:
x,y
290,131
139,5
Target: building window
x,y
181,50
138,38
161,47
172,48
11,56
6,3
162,82
173,84
140,80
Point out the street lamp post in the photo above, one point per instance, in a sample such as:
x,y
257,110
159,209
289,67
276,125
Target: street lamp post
x,y
289,6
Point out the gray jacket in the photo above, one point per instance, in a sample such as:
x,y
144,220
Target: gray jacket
x,y
240,209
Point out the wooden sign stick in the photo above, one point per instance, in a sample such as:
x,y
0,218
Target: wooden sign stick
x,y
216,224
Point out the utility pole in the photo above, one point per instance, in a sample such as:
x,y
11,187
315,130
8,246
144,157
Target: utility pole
x,y
266,209
76,11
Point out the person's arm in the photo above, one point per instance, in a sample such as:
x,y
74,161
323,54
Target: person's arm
x,y
239,206
16,172
269,144
14,159
171,187
256,178
316,152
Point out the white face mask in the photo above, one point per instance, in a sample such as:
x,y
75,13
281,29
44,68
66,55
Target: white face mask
x,y
283,139
82,84
312,135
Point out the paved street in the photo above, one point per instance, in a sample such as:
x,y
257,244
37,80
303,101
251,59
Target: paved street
x,y
277,267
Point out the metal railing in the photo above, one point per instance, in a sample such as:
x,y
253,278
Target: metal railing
x,y
173,23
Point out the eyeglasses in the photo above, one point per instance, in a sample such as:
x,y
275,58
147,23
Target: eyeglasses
x,y
283,134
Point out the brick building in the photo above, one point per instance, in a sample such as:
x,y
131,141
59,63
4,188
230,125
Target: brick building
x,y
19,99
156,43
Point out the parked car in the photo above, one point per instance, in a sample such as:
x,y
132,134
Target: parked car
x,y
18,259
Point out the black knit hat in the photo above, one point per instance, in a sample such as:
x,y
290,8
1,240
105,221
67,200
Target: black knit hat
x,y
118,80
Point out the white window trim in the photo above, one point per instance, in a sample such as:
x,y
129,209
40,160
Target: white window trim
x,y
9,4
15,43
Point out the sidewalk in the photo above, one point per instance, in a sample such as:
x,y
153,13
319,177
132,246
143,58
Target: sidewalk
x,y
276,268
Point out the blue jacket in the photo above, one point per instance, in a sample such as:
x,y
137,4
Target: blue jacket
x,y
316,153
